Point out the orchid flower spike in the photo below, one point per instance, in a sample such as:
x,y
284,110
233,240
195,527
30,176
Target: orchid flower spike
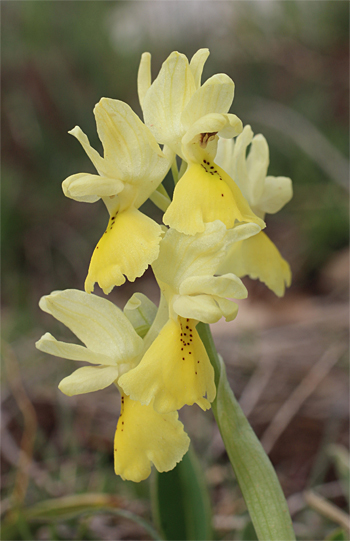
x,y
176,369
112,347
257,256
132,168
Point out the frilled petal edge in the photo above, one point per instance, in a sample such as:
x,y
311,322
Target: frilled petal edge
x,y
143,437
129,244
259,258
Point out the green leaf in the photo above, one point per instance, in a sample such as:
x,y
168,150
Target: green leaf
x,y
249,533
341,457
69,507
180,501
254,472
337,535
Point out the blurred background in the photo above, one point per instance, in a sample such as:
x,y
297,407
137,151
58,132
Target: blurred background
x,y
286,358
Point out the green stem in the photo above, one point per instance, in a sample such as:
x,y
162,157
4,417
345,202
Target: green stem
x,y
182,168
175,171
160,198
254,472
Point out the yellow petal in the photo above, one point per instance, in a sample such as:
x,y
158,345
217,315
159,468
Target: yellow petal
x,y
143,437
204,194
206,308
197,64
259,258
166,99
174,371
130,149
89,379
277,192
74,352
90,188
94,156
223,286
144,77
215,96
257,164
129,244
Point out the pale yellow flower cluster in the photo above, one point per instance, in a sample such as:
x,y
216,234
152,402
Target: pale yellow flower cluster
x,y
214,237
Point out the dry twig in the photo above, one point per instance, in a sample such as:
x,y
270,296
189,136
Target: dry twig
x,y
306,387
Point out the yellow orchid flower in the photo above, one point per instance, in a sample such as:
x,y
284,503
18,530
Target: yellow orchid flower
x,y
257,256
175,369
188,118
113,347
132,168
176,99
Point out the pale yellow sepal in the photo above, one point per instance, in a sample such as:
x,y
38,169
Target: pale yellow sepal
x,y
97,160
205,308
174,371
133,163
144,77
228,285
265,194
144,437
259,258
89,379
197,64
214,96
90,188
129,244
250,172
166,99
206,193
112,344
204,298
73,352
97,322
277,192
130,149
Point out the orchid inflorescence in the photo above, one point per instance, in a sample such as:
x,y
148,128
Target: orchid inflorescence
x,y
212,237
